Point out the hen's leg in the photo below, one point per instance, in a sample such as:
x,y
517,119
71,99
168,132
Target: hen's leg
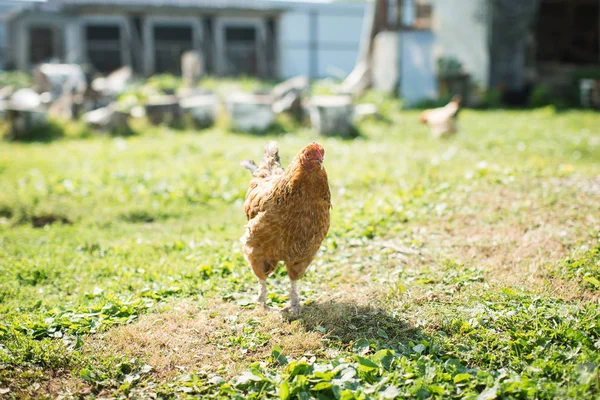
x,y
262,293
262,269
294,306
295,272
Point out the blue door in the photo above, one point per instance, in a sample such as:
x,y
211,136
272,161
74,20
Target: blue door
x,y
417,66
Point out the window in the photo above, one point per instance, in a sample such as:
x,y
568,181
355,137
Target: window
x,y
41,47
423,14
240,35
170,42
104,49
241,50
416,14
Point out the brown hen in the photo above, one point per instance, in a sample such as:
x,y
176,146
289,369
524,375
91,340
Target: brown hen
x,y
288,215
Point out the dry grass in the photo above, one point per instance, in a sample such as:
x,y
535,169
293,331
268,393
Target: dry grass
x,y
525,230
188,338
63,386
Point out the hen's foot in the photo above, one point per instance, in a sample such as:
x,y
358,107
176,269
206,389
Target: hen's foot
x,y
261,303
292,309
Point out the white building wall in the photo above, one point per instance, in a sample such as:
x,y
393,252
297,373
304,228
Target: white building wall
x,y
6,8
320,38
294,44
461,28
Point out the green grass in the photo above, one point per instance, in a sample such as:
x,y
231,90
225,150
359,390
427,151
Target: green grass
x,y
15,79
465,268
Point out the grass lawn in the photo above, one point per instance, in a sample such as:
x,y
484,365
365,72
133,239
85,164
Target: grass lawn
x,y
461,268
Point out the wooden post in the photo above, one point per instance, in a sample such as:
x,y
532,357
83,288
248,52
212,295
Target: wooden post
x,y
381,16
375,21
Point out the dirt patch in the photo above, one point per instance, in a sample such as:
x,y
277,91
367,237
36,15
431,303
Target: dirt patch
x,y
56,384
65,385
188,338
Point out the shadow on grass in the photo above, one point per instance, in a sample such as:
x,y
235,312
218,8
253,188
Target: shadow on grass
x,y
48,132
36,219
58,129
348,322
277,128
121,131
354,133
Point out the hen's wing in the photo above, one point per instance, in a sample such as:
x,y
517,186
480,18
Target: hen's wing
x,y
264,176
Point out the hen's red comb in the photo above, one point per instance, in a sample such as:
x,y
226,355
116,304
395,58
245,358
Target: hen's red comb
x,y
319,149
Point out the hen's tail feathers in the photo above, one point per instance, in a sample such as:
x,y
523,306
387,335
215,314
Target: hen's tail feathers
x,y
270,161
270,164
272,153
249,165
